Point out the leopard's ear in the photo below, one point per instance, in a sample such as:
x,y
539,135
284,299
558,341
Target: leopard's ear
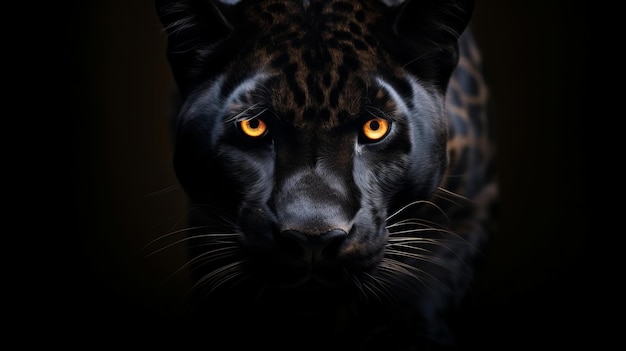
x,y
196,30
426,34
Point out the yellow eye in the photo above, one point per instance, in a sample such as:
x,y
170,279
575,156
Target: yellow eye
x,y
375,128
253,127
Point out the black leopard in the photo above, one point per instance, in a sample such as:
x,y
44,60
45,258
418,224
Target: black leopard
x,y
340,166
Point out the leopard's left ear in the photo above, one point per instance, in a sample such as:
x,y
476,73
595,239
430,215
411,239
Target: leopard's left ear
x,y
197,30
426,35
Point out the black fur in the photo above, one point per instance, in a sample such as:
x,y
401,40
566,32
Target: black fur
x,y
315,198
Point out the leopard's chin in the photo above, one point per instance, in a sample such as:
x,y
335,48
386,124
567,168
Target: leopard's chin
x,y
311,295
306,276
330,276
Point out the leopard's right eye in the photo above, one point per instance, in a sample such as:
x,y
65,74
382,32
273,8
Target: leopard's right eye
x,y
375,129
253,127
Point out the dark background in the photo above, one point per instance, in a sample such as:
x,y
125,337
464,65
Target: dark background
x,y
116,91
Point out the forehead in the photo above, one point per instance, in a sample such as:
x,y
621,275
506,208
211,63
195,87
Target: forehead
x,y
320,56
314,14
261,93
320,36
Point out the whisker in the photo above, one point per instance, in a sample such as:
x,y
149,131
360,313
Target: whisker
x,y
416,244
405,207
262,290
219,276
162,237
215,214
215,255
357,282
372,290
407,222
417,230
417,58
383,286
448,199
163,191
422,257
190,238
392,266
408,270
453,194
414,222
453,237
375,111
392,279
240,115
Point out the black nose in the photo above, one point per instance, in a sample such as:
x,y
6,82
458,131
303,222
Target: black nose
x,y
313,248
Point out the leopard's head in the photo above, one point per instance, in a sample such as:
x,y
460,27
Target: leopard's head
x,y
305,126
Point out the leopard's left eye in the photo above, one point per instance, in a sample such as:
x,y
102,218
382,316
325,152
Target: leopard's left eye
x,y
253,127
375,129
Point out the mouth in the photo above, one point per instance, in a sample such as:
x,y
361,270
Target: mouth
x,y
311,295
311,281
301,275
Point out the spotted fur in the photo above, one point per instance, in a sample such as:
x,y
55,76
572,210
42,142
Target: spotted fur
x,y
312,230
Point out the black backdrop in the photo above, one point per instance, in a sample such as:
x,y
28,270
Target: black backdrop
x,y
125,194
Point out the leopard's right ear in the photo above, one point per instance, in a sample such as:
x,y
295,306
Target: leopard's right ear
x,y
196,30
426,34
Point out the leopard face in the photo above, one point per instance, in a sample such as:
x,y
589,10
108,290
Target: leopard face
x,y
314,141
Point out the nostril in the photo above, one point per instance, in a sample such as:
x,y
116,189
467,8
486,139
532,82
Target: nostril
x,y
290,244
331,242
312,247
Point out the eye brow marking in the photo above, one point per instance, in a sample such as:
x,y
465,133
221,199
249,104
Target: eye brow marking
x,y
399,102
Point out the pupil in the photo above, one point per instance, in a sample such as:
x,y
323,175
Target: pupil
x,y
254,124
374,125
